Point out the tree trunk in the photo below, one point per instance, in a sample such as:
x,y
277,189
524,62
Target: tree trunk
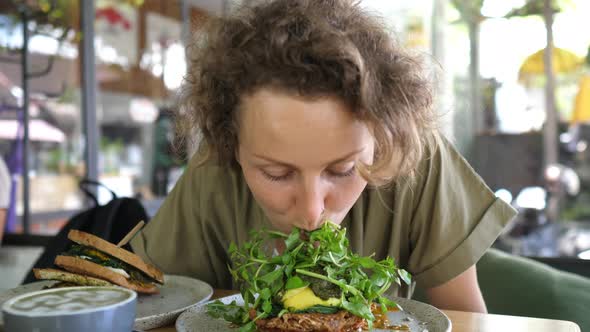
x,y
475,82
438,52
550,133
550,139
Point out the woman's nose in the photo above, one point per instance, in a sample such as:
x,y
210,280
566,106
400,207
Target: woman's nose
x,y
312,206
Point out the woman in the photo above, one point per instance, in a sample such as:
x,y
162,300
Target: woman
x,y
310,111
4,195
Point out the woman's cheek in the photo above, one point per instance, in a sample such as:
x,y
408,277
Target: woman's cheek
x,y
347,193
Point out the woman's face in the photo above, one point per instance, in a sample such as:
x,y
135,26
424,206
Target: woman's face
x,y
298,157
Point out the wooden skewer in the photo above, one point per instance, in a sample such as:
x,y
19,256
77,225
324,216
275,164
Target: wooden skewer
x,y
131,234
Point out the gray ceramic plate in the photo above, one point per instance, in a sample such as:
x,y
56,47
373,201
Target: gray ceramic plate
x,y
176,295
417,315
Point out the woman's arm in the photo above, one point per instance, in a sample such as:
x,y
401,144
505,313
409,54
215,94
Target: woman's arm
x,y
461,293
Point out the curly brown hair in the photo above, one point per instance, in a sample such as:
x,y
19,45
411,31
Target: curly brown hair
x,y
310,48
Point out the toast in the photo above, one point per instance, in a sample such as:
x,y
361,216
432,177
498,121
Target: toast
x,y
123,255
64,276
87,268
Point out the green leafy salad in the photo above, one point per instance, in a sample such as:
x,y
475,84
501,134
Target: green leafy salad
x,y
315,273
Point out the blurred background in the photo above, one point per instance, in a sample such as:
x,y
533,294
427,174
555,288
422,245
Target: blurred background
x,y
514,95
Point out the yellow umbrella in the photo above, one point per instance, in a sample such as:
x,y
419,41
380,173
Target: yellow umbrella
x,y
581,112
563,61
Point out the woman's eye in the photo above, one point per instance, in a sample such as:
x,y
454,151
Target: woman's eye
x,y
337,174
273,177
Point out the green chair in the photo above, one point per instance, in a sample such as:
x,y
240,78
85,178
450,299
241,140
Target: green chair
x,y
518,286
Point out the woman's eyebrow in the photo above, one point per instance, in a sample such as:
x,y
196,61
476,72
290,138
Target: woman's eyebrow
x,y
335,161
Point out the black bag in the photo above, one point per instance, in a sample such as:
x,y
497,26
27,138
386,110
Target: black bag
x,y
111,222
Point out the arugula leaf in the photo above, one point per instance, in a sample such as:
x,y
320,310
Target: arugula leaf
x,y
292,239
320,259
230,312
271,277
295,282
360,308
406,277
249,327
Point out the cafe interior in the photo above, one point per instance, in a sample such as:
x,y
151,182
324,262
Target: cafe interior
x,y
89,89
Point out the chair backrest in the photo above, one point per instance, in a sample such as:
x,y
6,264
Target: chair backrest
x,y
514,285
519,286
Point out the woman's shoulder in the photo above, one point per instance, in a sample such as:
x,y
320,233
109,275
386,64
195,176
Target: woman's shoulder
x,y
219,187
440,158
440,164
210,175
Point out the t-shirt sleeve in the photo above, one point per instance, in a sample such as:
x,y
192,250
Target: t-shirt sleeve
x,y
455,219
178,241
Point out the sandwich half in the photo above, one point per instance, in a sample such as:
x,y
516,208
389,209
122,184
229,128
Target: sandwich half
x,y
93,257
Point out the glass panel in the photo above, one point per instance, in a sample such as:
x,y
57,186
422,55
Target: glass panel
x,y
55,159
139,65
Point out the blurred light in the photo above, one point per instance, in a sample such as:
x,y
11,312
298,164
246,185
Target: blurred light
x,y
565,138
39,130
516,113
504,195
17,92
495,8
157,70
142,110
532,198
175,66
571,181
107,54
581,146
584,255
145,61
552,173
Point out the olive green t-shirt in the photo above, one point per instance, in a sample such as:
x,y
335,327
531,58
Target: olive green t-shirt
x,y
435,226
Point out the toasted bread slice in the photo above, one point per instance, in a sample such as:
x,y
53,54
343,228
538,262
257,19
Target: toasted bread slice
x,y
82,266
130,258
82,280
